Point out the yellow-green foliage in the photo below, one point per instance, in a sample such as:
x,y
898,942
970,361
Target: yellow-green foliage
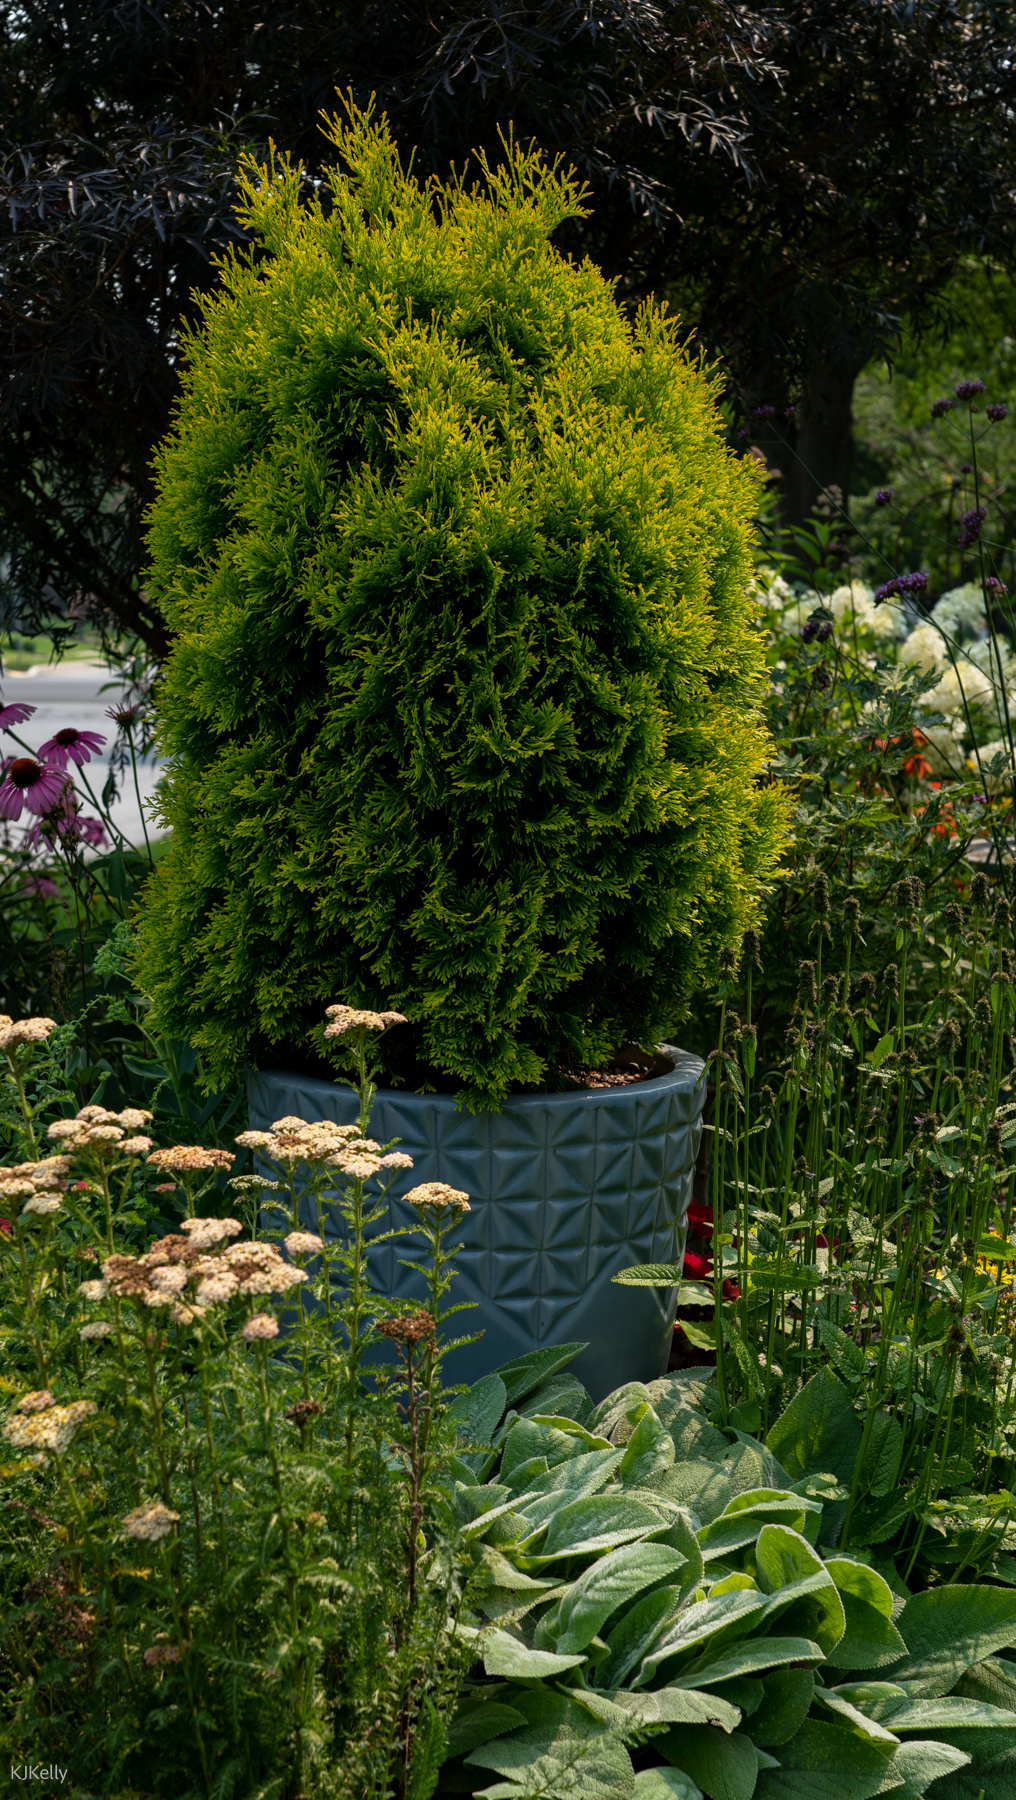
x,y
463,711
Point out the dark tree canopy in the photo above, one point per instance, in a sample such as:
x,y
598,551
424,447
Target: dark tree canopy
x,y
796,178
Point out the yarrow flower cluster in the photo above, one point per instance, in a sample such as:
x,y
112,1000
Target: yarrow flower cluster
x,y
293,1140
95,1128
260,1325
348,1018
303,1243
189,1159
51,1427
915,583
438,1194
150,1523
24,1031
161,1276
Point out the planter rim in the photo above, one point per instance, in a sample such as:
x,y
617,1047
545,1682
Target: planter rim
x,y
685,1075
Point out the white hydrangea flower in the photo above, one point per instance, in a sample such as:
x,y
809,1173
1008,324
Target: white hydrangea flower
x,y
961,612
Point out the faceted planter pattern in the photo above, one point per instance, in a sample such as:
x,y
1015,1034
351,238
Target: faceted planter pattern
x,y
565,1190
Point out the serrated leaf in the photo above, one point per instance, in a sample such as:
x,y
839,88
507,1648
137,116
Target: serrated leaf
x,y
946,1630
818,1431
663,1275
612,1582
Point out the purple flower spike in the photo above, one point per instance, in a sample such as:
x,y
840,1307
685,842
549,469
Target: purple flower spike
x,y
969,390
79,746
939,408
970,526
763,412
915,583
15,714
884,496
29,783
996,412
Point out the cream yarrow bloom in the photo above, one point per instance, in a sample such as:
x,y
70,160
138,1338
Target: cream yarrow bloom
x,y
438,1193
169,1279
210,1231
93,1290
303,1243
260,1325
355,1164
36,1401
42,1204
99,1328
188,1159
136,1146
24,1031
150,1523
214,1289
343,1019
395,1159
52,1429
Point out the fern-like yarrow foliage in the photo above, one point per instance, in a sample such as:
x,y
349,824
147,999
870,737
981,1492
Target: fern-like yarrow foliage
x,y
463,713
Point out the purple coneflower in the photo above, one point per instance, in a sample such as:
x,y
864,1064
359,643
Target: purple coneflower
x,y
970,526
884,496
39,887
29,783
15,714
996,412
79,746
969,390
123,716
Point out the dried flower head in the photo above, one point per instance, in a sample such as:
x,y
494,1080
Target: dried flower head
x,y
408,1330
150,1523
42,1204
169,1279
303,1410
438,1194
24,1031
260,1325
187,1315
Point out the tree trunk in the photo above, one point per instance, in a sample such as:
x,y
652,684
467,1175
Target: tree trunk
x,y
823,441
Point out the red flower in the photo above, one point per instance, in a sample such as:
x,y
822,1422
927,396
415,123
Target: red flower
x,y
698,1268
701,1219
5,1227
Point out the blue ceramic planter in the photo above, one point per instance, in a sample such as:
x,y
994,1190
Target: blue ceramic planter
x,y
565,1190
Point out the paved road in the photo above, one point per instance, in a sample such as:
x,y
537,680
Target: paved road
x,y
72,694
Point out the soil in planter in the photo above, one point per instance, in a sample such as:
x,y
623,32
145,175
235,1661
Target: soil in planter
x,y
403,1068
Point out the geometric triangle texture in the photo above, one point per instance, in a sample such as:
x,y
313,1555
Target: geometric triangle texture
x,y
565,1189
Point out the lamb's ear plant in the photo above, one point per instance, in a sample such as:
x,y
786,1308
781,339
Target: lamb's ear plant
x,y
662,1608
206,1507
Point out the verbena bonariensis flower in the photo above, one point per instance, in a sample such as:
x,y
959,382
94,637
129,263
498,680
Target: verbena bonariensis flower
x,y
970,526
994,585
763,412
939,408
30,783
969,390
914,583
71,745
15,714
996,412
884,496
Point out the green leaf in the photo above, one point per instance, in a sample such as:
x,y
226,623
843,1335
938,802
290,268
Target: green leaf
x,y
870,1640
947,1629
752,1656
698,1485
845,1355
663,1275
876,1520
476,1721
992,1680
818,1431
882,1460
952,1712
666,1784
677,1706
882,1049
699,1336
594,1523
612,1582
636,1632
475,1415
528,1441
562,1750
505,1656
649,1451
786,1702
527,1372
723,1764
725,1618
824,1762
868,1728
913,1767
570,1480
785,1560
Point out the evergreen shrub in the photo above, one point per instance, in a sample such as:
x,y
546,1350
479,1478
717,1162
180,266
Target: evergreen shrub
x,y
463,712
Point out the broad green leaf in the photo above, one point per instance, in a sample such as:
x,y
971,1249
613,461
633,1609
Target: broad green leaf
x,y
752,1656
527,1372
666,1784
775,1506
818,1431
751,1465
869,1641
574,1429
882,1460
677,1706
879,1519
476,1415
876,1699
503,1574
612,1582
662,1275
913,1767
784,1560
701,1337
830,1701
616,1406
882,1049
846,1356
476,1721
992,1680
636,1632
699,1485
596,1522
950,1713
706,1622
723,1764
786,1702
694,1438
562,1750
853,1577
649,1451
527,1441
561,1394
824,1762
505,1656
570,1480
946,1629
